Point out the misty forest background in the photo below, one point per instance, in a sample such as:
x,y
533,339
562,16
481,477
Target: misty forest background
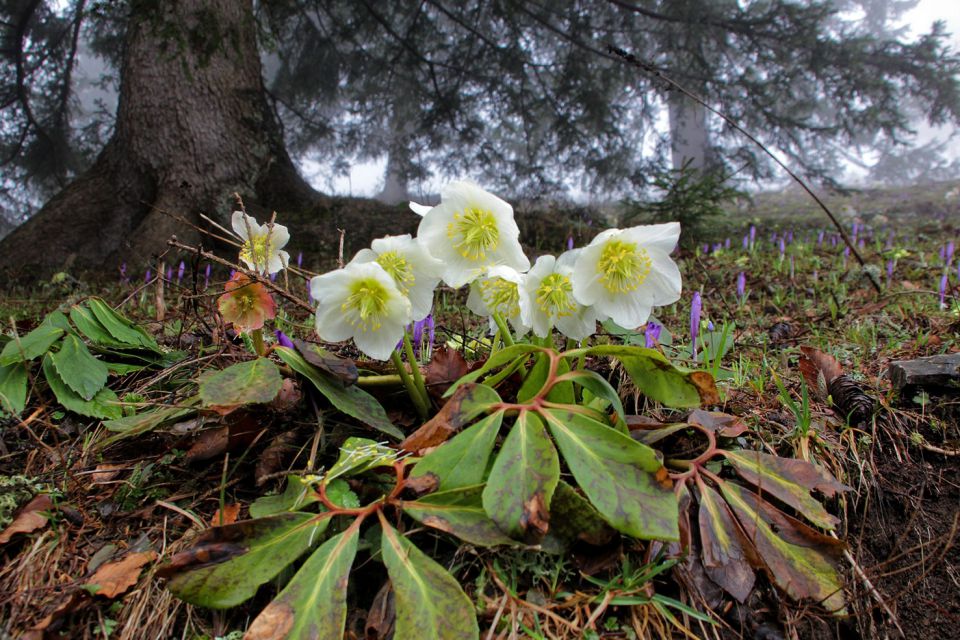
x,y
117,112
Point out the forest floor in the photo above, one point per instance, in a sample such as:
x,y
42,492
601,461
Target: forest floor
x,y
134,503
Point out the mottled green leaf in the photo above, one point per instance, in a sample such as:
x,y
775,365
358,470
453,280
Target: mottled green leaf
x,y
800,560
429,602
104,405
459,512
724,559
790,480
535,378
297,494
573,518
342,369
228,564
522,480
78,368
351,400
13,387
252,382
129,426
90,327
657,378
507,355
623,478
34,344
120,327
462,461
469,401
314,603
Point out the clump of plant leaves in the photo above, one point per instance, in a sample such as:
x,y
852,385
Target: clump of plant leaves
x,y
451,475
67,347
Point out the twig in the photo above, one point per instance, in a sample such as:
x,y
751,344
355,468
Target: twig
x,y
872,590
631,59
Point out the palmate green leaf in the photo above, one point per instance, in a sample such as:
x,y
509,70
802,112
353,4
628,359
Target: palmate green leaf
x,y
459,512
104,405
358,455
314,603
37,342
13,387
253,382
429,602
599,387
78,368
507,355
462,460
659,379
800,560
790,480
122,329
240,557
623,478
522,480
352,400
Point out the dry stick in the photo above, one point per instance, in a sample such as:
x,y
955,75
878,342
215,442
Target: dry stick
x,y
340,249
631,59
173,242
868,585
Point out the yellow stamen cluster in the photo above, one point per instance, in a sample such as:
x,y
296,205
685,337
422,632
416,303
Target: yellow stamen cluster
x,y
555,295
366,305
623,266
474,232
256,251
501,296
399,269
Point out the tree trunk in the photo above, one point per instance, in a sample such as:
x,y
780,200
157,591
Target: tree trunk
x,y
689,133
193,127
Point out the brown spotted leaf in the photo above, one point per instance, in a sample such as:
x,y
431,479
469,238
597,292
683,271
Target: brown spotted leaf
x,y
521,483
462,460
314,602
724,559
466,403
114,578
801,561
721,424
789,480
29,518
446,366
459,512
228,564
573,518
253,382
623,478
819,369
429,601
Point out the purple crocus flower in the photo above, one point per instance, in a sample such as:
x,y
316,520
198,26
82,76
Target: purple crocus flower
x,y
846,252
783,247
943,291
431,329
206,276
233,272
726,243
569,243
283,339
273,277
169,274
123,273
951,247
147,276
753,234
790,237
716,247
741,285
417,337
820,238
705,248
299,259
696,307
710,326
746,242
651,335
890,240
889,270
180,271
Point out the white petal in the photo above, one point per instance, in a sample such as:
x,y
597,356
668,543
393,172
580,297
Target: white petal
x,y
239,226
664,282
627,310
331,284
658,236
580,325
421,299
420,209
279,237
365,255
392,243
332,325
511,253
475,301
381,343
587,288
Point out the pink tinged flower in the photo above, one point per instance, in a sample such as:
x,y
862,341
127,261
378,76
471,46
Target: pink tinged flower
x,y
246,304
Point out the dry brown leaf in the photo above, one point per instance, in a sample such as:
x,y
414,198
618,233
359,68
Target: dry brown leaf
x,y
29,518
114,578
446,367
106,472
230,514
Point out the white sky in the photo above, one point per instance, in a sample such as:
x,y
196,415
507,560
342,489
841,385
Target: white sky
x,y
367,179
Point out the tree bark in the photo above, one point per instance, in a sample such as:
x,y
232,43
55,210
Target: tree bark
x,y
193,127
689,133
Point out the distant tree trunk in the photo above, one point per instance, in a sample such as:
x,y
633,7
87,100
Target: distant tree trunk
x,y
193,127
689,133
395,181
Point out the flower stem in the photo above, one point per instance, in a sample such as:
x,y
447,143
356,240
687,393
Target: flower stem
x,y
504,329
415,369
257,337
408,383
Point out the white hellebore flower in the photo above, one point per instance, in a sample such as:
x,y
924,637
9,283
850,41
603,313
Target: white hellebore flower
x,y
262,243
415,271
624,273
546,299
361,301
469,231
497,291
